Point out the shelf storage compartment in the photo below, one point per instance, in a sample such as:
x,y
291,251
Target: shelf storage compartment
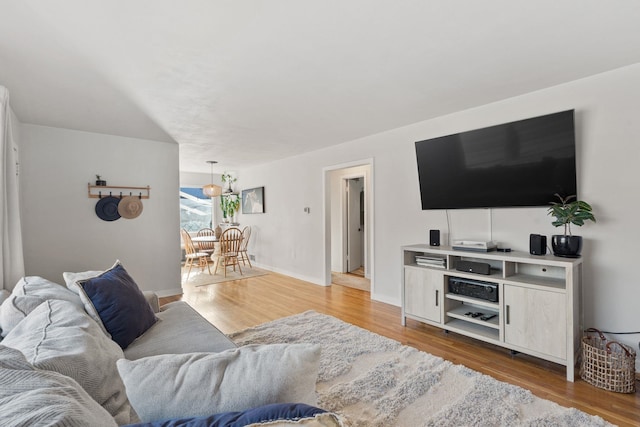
x,y
496,266
537,311
461,312
473,330
473,301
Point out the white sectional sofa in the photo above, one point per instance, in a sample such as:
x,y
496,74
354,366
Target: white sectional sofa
x,y
63,362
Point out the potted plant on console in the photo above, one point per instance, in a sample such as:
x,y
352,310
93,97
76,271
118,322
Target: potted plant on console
x,y
569,211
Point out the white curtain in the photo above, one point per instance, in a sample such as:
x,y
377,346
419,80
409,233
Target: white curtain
x,y
12,265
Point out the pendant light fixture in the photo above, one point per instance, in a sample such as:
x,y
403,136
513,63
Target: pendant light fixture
x,y
212,190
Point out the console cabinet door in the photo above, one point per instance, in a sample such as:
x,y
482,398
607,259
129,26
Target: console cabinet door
x,y
423,293
536,320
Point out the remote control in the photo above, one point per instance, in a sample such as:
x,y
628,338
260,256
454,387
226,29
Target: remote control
x,y
487,317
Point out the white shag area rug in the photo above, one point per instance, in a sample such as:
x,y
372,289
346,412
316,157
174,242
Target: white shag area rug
x,y
375,381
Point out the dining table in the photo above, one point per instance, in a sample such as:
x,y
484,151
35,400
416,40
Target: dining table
x,y
215,256
209,239
197,239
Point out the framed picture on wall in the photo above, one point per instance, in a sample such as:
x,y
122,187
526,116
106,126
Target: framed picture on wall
x,y
253,200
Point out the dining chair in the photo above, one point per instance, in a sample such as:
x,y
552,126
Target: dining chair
x,y
230,242
246,234
208,247
192,255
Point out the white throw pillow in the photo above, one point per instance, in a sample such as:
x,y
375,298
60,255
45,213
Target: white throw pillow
x,y
59,336
70,278
29,293
196,384
30,396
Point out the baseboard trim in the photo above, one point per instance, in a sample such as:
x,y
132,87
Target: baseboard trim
x,y
167,292
385,299
313,280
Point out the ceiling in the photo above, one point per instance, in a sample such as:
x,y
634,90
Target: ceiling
x,y
248,82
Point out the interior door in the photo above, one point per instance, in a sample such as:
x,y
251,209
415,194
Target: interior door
x,y
355,224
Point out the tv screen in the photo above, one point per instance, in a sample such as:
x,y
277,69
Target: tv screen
x,y
522,163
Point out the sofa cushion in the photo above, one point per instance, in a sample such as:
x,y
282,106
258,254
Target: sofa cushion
x,y
4,294
200,384
59,336
153,300
180,329
30,396
278,414
29,293
114,300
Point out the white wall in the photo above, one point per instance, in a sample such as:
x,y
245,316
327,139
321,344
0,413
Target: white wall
x,y
607,125
195,179
60,228
13,258
15,126
286,239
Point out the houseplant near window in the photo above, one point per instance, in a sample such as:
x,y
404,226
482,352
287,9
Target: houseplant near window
x,y
569,212
229,203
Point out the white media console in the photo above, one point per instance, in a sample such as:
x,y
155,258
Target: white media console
x,y
538,311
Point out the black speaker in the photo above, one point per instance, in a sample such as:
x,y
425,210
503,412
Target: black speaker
x,y
473,267
434,237
537,244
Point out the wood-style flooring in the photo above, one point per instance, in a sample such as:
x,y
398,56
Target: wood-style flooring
x,y
357,281
240,304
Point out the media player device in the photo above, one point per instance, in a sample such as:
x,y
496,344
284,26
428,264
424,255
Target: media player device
x,y
473,267
537,244
434,237
474,246
474,288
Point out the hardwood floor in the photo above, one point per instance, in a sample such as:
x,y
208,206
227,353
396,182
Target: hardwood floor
x,y
233,306
351,280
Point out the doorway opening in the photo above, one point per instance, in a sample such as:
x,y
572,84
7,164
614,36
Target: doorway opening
x,y
196,210
349,225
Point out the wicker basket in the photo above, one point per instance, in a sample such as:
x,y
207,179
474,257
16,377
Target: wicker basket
x,y
607,365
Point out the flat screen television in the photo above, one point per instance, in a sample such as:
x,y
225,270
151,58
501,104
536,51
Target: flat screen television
x,y
522,163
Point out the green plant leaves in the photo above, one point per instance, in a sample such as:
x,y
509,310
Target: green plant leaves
x,y
229,203
570,212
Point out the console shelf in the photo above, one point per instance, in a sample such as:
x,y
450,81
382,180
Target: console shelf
x,y
460,313
473,330
535,281
538,310
475,301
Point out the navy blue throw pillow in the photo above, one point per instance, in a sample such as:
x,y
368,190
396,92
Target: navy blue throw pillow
x,y
261,414
123,309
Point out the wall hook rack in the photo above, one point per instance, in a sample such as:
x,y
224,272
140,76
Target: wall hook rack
x,y
98,191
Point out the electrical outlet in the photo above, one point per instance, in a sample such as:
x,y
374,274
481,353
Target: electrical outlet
x,y
252,257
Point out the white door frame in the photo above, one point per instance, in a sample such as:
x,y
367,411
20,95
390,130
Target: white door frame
x,y
369,220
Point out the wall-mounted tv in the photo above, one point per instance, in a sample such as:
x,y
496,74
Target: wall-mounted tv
x,y
522,163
